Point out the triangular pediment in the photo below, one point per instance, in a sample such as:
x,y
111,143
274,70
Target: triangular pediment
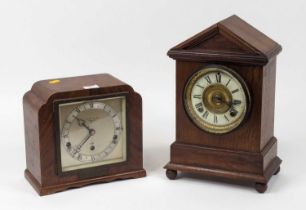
x,y
220,43
229,40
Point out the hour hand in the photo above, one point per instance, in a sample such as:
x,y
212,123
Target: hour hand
x,y
82,123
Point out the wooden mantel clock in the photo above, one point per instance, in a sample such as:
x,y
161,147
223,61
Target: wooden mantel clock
x,y
80,131
225,90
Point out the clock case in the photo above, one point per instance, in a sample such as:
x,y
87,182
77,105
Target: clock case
x,y
248,154
41,129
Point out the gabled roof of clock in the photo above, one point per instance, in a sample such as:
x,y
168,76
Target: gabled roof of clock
x,y
230,40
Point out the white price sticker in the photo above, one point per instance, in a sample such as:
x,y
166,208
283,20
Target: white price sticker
x,y
91,86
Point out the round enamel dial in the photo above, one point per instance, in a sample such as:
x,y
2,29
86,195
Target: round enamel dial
x,y
91,140
217,99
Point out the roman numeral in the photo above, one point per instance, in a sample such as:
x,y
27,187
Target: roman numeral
x,y
205,115
215,119
218,77
226,118
74,152
199,107
200,86
208,79
235,91
228,82
236,102
197,96
79,157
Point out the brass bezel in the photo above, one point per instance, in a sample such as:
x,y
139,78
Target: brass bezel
x,y
200,122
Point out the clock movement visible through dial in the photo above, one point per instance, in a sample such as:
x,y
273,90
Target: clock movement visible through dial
x,y
217,99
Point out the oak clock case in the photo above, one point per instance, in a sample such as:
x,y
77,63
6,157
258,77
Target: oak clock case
x,y
225,131
80,131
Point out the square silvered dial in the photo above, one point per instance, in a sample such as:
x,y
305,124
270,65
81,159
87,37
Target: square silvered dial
x,y
92,133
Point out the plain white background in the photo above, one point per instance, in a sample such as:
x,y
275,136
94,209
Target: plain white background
x,y
130,39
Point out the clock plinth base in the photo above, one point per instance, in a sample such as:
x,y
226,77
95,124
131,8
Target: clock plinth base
x,y
260,181
226,165
79,183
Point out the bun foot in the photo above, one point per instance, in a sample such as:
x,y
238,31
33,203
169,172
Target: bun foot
x,y
171,174
261,187
277,171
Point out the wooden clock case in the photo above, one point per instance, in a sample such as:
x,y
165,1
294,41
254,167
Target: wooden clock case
x,y
247,154
40,133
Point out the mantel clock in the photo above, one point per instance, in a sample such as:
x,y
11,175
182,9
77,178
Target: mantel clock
x,y
225,92
80,131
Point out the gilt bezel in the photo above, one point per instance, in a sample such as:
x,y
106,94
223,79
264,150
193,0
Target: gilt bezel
x,y
199,122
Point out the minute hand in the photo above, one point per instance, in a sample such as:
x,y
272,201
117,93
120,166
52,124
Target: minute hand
x,y
90,134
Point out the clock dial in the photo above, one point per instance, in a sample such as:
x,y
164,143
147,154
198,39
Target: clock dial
x,y
217,99
92,133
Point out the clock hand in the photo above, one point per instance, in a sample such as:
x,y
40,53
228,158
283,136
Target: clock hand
x,y
233,112
91,133
221,100
83,123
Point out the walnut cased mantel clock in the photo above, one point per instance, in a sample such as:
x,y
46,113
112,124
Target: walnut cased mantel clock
x,y
225,91
80,131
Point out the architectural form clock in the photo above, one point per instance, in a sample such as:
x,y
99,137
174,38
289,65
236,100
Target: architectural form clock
x,y
225,87
82,130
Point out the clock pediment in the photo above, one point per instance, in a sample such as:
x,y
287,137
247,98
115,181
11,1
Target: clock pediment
x,y
229,40
224,45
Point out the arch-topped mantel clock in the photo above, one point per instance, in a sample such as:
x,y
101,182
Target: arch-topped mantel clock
x,y
80,131
225,90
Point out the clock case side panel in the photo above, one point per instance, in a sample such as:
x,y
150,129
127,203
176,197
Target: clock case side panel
x,y
31,107
268,102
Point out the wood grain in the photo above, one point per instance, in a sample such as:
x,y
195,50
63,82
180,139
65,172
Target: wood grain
x,y
248,153
230,40
40,132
